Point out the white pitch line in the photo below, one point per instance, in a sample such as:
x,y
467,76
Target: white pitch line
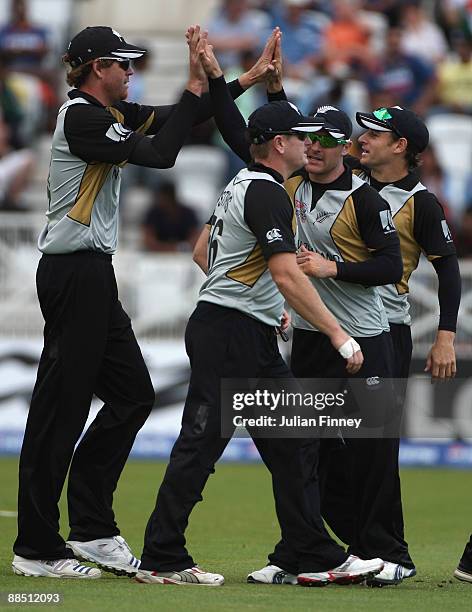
x,y
8,513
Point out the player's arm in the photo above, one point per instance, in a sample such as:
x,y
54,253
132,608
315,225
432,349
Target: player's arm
x,y
95,135
200,250
274,80
268,211
431,232
384,266
206,109
228,118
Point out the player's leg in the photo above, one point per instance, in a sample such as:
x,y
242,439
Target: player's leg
x,y
75,302
313,356
123,383
464,569
219,344
375,460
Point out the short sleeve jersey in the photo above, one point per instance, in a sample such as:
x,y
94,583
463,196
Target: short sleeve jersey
x,y
90,145
422,228
253,220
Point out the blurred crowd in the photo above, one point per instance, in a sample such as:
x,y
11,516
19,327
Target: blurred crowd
x,y
365,54
354,54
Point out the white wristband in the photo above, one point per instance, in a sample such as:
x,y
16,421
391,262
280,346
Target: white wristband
x,y
349,348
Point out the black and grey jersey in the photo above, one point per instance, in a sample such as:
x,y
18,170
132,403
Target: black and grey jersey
x,y
344,221
90,145
253,219
421,226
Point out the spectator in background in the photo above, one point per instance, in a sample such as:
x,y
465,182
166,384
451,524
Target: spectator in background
x,y
390,8
237,28
346,38
10,110
420,36
24,44
400,79
454,88
169,226
15,170
454,16
303,32
435,179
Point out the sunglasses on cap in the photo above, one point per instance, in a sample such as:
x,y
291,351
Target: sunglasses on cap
x,y
382,114
124,64
326,140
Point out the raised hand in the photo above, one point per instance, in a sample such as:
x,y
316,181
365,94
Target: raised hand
x,y
197,76
208,59
274,77
264,65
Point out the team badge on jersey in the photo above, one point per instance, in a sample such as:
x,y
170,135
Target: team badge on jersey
x,y
386,220
274,235
322,215
118,133
300,211
446,231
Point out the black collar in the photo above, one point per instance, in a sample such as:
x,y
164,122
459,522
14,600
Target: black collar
x,y
256,167
342,183
406,183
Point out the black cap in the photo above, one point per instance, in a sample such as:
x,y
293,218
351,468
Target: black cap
x,y
334,121
277,118
403,122
100,41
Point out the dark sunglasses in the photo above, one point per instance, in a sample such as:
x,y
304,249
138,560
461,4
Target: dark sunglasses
x,y
124,64
300,135
326,140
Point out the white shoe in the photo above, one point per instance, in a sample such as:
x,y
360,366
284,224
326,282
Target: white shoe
x,y
392,573
193,575
271,574
110,554
461,574
353,570
58,568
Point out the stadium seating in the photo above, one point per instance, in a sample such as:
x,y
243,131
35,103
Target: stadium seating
x,y
451,136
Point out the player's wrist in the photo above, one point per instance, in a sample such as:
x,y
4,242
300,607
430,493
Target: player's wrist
x,y
333,269
216,73
445,336
245,80
195,86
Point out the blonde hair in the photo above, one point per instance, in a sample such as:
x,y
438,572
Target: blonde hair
x,y
260,151
76,77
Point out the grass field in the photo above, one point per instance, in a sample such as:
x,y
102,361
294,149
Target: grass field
x,y
233,530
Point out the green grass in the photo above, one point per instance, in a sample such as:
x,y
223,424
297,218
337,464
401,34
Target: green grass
x,y
233,530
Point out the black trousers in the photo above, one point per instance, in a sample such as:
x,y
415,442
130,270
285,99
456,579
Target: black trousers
x,y
89,347
225,343
465,563
358,479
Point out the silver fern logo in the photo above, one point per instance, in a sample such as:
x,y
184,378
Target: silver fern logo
x,y
324,109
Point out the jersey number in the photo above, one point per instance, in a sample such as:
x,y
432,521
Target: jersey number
x,y
216,231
